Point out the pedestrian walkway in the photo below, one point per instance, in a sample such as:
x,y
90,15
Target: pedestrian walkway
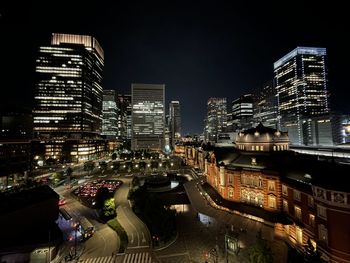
x,y
108,259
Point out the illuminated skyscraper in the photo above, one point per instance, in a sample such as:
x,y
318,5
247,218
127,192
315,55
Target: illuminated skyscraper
x,y
67,114
301,86
216,121
242,112
174,121
110,115
265,106
148,116
124,118
68,91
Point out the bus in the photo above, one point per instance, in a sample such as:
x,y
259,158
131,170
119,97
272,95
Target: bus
x,y
86,228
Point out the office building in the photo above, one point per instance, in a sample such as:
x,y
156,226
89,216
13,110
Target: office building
x,y
124,118
265,106
301,87
110,115
68,91
68,94
148,116
174,121
242,112
16,124
216,120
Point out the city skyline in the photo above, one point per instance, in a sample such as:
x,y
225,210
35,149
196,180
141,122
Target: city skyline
x,y
209,51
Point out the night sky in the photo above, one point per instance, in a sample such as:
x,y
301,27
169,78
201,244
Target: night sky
x,y
198,49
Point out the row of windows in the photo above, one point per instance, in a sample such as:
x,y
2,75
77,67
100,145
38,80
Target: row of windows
x,y
297,195
321,212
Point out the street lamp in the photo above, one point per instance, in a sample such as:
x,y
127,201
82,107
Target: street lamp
x,y
76,228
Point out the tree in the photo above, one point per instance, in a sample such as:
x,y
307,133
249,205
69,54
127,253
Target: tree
x,y
109,208
260,252
89,166
102,195
114,156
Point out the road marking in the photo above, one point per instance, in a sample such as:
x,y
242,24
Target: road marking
x,y
174,255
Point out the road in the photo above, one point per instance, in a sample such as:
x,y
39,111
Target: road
x,y
137,231
104,242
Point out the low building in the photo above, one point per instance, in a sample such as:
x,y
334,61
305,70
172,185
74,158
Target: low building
x,y
26,227
14,162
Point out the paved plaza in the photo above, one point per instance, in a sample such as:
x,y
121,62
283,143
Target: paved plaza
x,y
197,236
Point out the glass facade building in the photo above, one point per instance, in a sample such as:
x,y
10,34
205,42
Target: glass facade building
x,y
68,91
110,115
216,120
301,86
265,106
148,116
124,119
175,121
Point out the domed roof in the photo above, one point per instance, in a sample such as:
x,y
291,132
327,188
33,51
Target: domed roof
x,y
262,134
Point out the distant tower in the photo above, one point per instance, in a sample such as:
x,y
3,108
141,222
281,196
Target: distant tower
x,y
175,121
265,106
301,86
148,116
216,118
124,118
110,115
242,112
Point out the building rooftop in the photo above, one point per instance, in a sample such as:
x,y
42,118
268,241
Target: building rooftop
x,y
301,170
302,51
12,201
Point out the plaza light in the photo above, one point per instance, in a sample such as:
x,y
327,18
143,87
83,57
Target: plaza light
x,y
160,165
172,164
148,165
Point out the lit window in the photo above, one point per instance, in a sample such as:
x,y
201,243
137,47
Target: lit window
x,y
284,190
312,220
257,147
230,192
322,211
299,234
310,201
271,185
274,147
297,212
285,206
252,147
261,148
272,201
230,178
296,195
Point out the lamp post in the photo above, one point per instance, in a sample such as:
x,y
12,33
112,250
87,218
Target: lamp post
x,y
76,228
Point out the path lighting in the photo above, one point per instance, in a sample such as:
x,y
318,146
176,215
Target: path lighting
x,y
160,165
136,165
172,164
148,165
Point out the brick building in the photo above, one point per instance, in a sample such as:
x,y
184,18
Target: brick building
x,y
305,199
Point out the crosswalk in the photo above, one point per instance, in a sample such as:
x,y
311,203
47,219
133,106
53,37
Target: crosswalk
x,y
108,259
137,257
140,257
